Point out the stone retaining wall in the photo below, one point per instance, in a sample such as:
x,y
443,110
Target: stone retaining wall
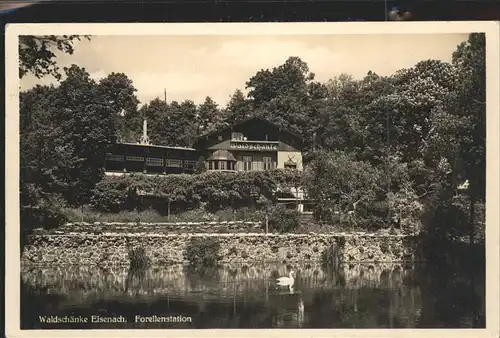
x,y
170,227
111,248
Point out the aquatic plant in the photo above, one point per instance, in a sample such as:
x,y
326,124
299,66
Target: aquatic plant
x,y
137,256
332,254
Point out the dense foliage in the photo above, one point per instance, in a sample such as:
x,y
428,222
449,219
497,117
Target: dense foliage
x,y
37,55
203,251
283,220
213,190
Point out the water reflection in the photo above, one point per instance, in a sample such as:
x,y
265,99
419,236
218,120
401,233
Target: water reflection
x,y
241,296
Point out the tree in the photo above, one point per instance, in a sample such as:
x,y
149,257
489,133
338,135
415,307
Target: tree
x,y
458,133
340,184
420,90
46,159
159,129
237,109
35,106
36,53
201,167
65,140
281,95
289,79
209,116
183,118
119,92
87,123
354,115
171,124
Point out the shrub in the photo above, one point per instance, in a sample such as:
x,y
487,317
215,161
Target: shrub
x,y
201,166
203,251
283,220
340,242
112,195
46,211
233,251
218,190
396,250
384,245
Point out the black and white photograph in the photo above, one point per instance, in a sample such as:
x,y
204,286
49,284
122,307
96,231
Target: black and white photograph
x,y
167,178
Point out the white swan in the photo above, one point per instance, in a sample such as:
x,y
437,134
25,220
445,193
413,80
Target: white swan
x,y
286,281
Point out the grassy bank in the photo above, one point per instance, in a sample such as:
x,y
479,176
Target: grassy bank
x,y
199,215
153,216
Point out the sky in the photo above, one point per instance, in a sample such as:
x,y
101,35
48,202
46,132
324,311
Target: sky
x,y
193,67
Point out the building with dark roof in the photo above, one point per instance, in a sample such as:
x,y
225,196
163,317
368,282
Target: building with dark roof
x,y
252,144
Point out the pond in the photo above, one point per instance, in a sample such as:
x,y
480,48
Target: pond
x,y
242,296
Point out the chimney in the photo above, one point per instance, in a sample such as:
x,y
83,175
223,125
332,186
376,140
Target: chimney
x,y
144,137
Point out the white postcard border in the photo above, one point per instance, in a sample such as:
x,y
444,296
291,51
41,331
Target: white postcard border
x,y
12,289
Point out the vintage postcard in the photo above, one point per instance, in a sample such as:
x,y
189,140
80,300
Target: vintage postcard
x,y
281,179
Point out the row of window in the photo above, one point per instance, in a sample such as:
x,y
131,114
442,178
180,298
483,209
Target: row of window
x,y
267,163
265,159
154,161
219,165
246,164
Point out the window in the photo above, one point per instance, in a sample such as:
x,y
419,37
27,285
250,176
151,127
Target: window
x,y
237,136
154,162
135,158
268,164
173,163
117,158
247,162
222,165
290,166
189,164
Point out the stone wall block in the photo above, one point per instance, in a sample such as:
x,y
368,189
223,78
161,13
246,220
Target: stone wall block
x,y
109,249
